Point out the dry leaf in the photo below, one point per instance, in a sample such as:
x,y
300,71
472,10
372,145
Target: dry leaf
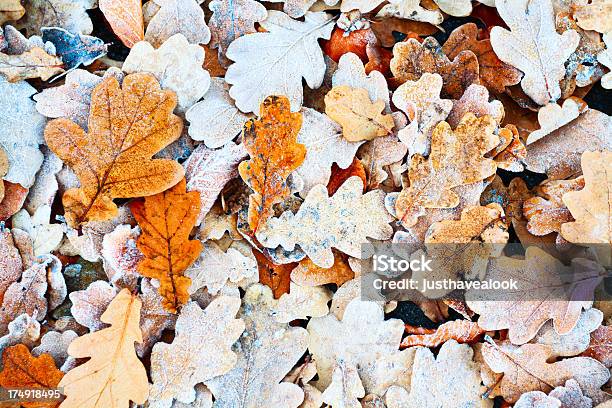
x,y
475,99
105,160
10,10
125,18
282,48
339,176
411,59
576,340
56,345
154,318
456,159
201,349
605,58
412,10
22,370
449,380
456,8
376,155
600,347
184,17
176,64
10,261
302,302
113,376
272,145
267,350
22,132
569,396
208,171
307,273
552,117
462,331
421,103
511,152
35,63
345,388
322,223
594,15
215,120
494,74
89,304
324,147
24,330
526,368
533,46
166,220
46,237
68,14
120,256
45,186
275,276
522,316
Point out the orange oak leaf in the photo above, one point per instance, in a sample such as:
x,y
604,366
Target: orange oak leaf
x,y
307,273
412,59
166,219
125,18
342,42
126,127
22,370
464,331
494,74
339,176
511,151
14,196
276,277
272,144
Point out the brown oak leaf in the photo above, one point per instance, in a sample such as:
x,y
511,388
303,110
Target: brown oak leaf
x,y
412,59
340,175
457,158
126,127
276,276
272,144
307,273
494,74
33,63
600,347
22,370
166,220
125,18
463,331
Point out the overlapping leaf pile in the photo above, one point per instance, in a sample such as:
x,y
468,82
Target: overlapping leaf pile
x,y
187,185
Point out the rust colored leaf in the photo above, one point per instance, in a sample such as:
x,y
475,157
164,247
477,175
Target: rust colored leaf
x,y
14,197
339,176
457,158
166,220
384,29
356,42
494,74
511,151
125,18
600,347
307,273
113,160
412,59
272,144
379,59
276,277
463,331
22,370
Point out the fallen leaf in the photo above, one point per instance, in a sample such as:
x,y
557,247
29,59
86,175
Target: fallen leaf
x,y
166,220
89,304
543,294
494,74
10,10
10,261
176,64
113,376
605,58
22,370
275,276
574,342
208,171
377,155
74,49
449,380
184,17
215,268
320,223
45,186
56,344
592,16
411,59
215,120
421,103
456,8
600,347
360,118
287,43
475,99
384,28
462,331
348,41
412,10
46,237
339,175
70,15
176,368
526,368
511,152
538,399
126,20
552,117
302,302
533,46
232,19
266,351
34,63
216,223
23,330
345,389
309,274
108,170
272,144
120,256
456,159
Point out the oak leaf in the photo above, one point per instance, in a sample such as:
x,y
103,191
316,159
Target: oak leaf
x,y
475,99
125,18
345,389
526,368
594,15
302,302
201,349
378,156
56,344
286,42
74,49
23,330
127,126
166,220
89,304
411,59
494,74
360,118
552,117
184,17
34,63
351,72
154,318
339,176
411,10
574,342
113,375
511,152
215,120
462,331
272,144
600,347
22,370
533,46
275,276
307,273
10,261
70,15
297,8
321,223
46,237
456,159
10,10
266,351
176,64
